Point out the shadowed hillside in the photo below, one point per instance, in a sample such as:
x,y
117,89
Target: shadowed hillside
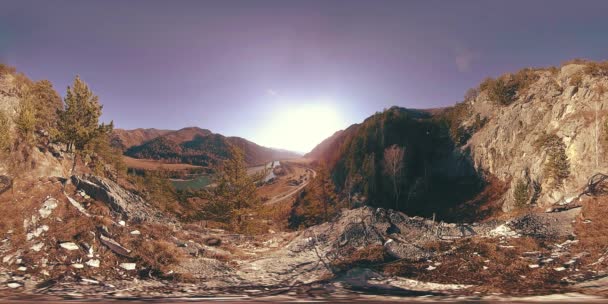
x,y
202,147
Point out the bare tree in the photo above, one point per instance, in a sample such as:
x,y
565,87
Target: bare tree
x,y
393,166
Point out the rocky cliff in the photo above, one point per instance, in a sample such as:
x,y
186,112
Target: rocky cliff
x,y
566,103
542,132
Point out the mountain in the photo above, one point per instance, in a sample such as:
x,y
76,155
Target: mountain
x,y
201,147
434,178
125,139
534,137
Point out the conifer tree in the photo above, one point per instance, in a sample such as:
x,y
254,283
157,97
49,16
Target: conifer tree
x,y
233,193
79,119
5,133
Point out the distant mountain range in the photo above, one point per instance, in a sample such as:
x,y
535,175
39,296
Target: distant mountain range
x,y
191,145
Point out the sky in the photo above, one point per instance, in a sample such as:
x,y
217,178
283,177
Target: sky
x,y
287,74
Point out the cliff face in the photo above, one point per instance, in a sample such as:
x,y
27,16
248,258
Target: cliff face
x,y
542,132
566,103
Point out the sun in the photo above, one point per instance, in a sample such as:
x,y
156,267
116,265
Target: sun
x,y
301,127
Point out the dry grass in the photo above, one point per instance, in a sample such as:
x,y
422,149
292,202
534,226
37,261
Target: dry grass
x,y
485,205
484,263
592,231
159,255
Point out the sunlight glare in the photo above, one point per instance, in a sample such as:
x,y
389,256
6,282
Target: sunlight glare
x,y
301,127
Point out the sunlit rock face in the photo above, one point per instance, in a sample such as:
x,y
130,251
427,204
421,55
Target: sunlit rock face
x,y
505,146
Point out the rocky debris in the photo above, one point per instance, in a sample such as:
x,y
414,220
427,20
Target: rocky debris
x,y
546,225
47,207
503,231
37,247
93,263
117,198
69,246
135,232
36,232
77,265
114,246
77,205
213,241
128,266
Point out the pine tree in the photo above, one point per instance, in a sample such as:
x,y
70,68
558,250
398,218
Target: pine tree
x,y
233,194
78,123
26,121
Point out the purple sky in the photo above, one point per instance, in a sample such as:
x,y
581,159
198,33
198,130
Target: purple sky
x,y
228,65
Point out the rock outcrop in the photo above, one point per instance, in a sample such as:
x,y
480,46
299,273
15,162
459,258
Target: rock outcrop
x,y
553,104
120,200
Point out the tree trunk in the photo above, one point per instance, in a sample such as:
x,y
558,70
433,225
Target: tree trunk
x,y
396,194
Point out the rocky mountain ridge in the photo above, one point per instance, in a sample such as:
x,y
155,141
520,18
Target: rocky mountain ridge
x,y
192,145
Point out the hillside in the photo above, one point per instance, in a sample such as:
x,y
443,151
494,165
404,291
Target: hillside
x,y
536,136
72,229
125,139
202,148
435,177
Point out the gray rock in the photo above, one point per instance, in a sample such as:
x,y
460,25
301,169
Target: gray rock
x,y
69,246
117,198
114,246
128,266
47,207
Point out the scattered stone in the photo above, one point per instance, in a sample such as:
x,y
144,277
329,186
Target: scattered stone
x,y
559,268
114,246
7,258
22,268
545,261
37,232
89,281
122,223
135,232
93,263
14,285
47,207
77,205
503,230
128,266
533,266
37,247
69,246
77,265
213,241
431,267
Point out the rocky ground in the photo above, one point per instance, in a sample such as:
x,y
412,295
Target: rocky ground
x,y
93,239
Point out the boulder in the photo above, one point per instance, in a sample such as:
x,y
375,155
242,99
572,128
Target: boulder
x,y
69,246
114,246
116,197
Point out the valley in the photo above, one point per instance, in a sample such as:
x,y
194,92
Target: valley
x,y
500,197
